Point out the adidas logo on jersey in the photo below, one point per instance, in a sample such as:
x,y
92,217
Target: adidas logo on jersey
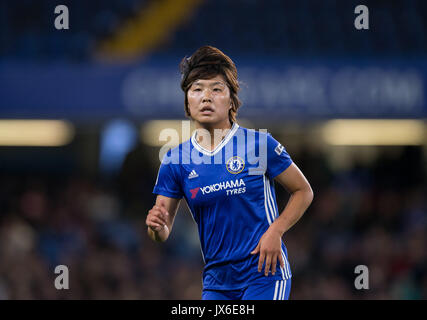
x,y
192,174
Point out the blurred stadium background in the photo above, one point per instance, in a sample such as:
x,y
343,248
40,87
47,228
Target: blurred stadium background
x,y
81,111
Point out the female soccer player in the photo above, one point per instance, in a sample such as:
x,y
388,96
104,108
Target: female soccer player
x,y
226,174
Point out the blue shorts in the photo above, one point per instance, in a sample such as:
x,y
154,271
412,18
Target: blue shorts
x,y
271,290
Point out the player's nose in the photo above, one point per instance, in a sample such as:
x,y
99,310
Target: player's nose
x,y
207,97
206,100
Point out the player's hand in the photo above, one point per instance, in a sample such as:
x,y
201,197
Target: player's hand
x,y
157,217
269,249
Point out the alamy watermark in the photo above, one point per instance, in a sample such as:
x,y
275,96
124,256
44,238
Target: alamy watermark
x,y
362,280
62,280
62,21
244,144
362,20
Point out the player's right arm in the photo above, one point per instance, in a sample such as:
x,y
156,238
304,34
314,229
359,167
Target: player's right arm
x,y
161,217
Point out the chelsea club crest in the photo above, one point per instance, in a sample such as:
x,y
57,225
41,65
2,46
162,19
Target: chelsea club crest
x,y
235,165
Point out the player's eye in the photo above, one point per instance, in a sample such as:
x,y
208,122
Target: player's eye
x,y
217,90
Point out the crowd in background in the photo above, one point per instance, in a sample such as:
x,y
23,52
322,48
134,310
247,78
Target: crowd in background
x,y
372,215
242,27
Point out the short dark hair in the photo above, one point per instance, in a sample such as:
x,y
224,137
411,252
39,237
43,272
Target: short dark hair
x,y
206,63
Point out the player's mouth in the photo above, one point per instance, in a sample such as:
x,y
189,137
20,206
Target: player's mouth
x,y
206,110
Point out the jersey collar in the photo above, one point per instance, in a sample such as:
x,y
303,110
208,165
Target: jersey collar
x,y
227,138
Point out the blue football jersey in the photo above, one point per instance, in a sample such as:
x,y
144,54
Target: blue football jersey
x,y
230,193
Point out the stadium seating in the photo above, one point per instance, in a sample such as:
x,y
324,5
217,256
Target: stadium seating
x,y
302,28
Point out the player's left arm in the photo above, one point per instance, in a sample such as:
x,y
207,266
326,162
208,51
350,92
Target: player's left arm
x,y
301,196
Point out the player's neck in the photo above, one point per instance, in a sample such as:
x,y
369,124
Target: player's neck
x,y
210,136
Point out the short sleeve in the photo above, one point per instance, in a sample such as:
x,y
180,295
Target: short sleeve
x,y
168,183
278,160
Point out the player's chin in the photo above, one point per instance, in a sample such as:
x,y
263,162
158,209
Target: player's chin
x,y
206,119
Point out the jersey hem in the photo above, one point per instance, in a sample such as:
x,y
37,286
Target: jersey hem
x,y
167,194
